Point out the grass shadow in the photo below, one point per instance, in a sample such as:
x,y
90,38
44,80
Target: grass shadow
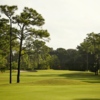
x,y
41,75
83,76
87,99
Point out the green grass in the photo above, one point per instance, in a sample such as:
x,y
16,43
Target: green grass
x,y
51,85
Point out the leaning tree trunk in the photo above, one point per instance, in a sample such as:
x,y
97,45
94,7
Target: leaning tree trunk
x,y
19,58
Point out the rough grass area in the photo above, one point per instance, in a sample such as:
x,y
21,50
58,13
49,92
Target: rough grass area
x,y
51,85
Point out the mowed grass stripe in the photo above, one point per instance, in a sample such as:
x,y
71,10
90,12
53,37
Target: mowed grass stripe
x,y
69,92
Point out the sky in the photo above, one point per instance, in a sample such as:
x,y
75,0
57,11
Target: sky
x,y
67,21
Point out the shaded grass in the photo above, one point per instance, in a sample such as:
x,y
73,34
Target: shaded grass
x,y
83,76
88,99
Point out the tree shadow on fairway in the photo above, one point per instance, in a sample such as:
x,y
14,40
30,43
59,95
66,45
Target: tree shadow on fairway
x,y
82,76
41,75
87,99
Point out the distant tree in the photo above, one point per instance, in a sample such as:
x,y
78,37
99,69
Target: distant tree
x,y
55,62
73,59
61,55
91,48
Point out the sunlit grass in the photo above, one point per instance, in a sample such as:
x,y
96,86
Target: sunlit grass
x,y
51,85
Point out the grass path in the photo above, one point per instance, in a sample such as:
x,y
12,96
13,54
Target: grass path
x,y
51,85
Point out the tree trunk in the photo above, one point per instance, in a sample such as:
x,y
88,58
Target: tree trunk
x,y
10,52
97,69
96,72
19,57
87,62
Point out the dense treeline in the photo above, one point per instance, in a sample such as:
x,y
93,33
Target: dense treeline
x,y
85,57
28,49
